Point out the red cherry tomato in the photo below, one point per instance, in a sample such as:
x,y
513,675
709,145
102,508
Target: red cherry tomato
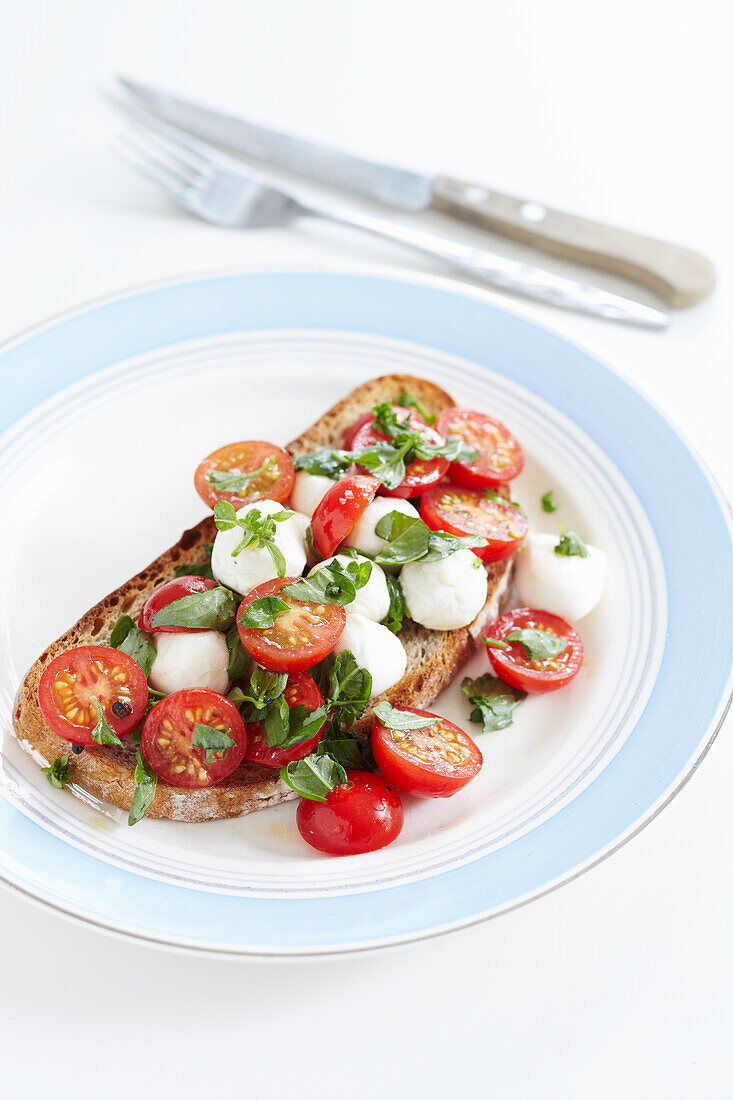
x,y
401,413
501,458
167,593
514,666
168,734
340,509
419,475
469,512
301,690
299,639
88,672
363,815
274,481
434,762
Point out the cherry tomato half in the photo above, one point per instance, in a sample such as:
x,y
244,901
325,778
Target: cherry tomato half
x,y
168,734
167,593
420,474
340,509
401,413
469,512
361,816
299,639
501,458
514,666
434,762
301,690
273,479
75,677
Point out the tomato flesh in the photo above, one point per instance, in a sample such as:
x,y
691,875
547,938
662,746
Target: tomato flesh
x,y
167,593
462,511
500,459
301,690
70,682
434,762
363,815
340,510
514,666
299,639
410,415
274,482
167,738
420,474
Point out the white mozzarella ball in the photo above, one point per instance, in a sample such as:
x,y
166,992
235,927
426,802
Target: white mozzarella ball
x,y
254,566
198,660
363,536
308,491
376,649
445,594
372,601
566,586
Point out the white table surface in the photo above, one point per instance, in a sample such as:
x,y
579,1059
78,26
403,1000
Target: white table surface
x,y
618,984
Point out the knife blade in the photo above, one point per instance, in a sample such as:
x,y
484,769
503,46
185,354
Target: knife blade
x,y
681,276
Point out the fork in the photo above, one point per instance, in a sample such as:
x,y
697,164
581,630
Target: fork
x,y
217,188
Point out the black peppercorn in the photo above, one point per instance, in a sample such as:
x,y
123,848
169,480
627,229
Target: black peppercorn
x,y
121,708
77,749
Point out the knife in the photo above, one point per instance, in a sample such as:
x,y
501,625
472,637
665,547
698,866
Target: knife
x,y
679,275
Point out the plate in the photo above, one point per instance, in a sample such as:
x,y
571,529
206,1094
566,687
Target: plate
x,y
107,412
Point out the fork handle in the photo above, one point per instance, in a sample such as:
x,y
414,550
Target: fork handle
x,y
679,275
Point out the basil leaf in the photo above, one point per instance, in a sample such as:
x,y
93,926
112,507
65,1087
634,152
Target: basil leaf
x,y
350,687
59,772
492,700
538,645
231,481
407,401
130,639
454,449
263,613
215,742
198,570
407,537
239,659
324,463
442,545
571,545
225,515
212,609
304,724
397,612
549,504
332,583
102,734
120,631
145,783
349,750
314,776
385,461
263,688
395,719
275,722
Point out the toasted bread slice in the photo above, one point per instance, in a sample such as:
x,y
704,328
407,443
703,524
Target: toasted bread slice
x,y
433,657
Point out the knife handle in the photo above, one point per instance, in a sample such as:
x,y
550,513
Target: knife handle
x,y
679,275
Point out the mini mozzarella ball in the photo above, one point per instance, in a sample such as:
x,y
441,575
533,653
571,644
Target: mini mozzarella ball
x,y
308,491
567,586
363,536
376,649
372,601
445,594
254,566
195,660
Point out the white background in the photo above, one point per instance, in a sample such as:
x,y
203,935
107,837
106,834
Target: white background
x,y
618,984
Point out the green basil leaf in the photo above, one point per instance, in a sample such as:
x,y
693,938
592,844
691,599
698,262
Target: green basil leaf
x,y
263,688
385,461
407,401
275,722
331,583
539,645
120,630
442,545
397,612
102,733
324,463
350,687
304,724
407,537
59,773
262,614
145,783
314,776
225,515
349,750
395,719
454,449
549,504
212,609
278,558
240,661
231,481
492,700
571,545
215,742
203,570
130,639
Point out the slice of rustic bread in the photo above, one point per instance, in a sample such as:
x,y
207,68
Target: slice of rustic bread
x,y
433,657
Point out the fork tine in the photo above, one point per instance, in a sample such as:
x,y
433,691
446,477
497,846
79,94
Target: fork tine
x,y
174,143
148,148
162,178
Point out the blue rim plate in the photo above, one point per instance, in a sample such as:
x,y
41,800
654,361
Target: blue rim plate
x,y
677,715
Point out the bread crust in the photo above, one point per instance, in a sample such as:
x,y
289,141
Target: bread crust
x,y
434,658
